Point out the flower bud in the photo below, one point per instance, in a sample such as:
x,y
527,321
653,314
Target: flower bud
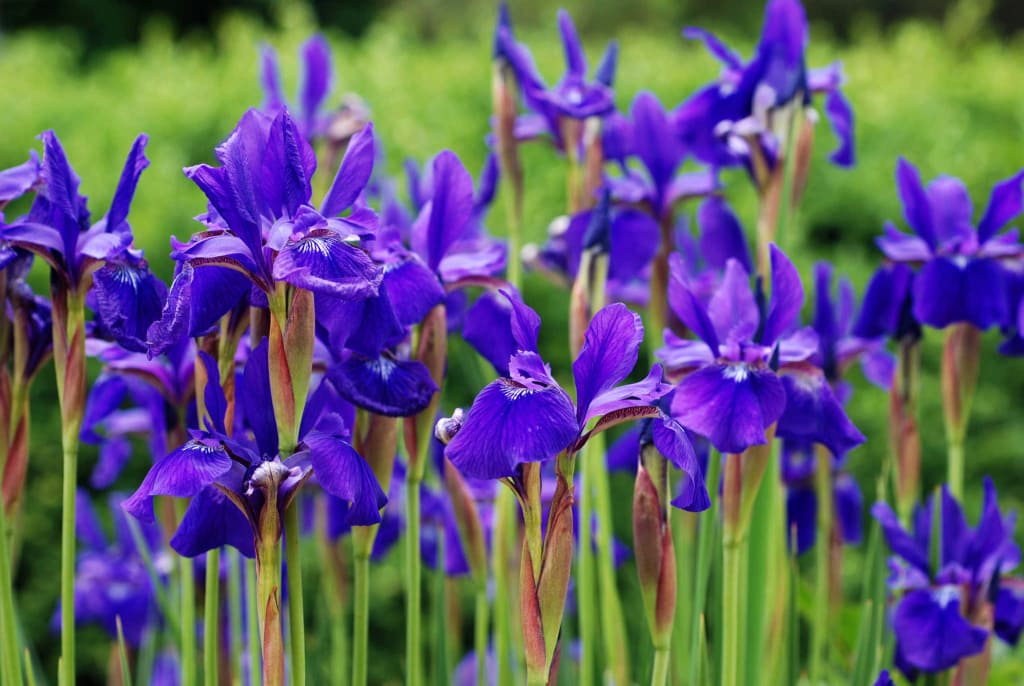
x,y
447,427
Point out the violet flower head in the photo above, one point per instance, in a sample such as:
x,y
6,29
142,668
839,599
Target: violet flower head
x,y
573,98
230,480
111,578
57,227
744,118
962,276
649,137
946,595
315,83
262,229
799,465
528,417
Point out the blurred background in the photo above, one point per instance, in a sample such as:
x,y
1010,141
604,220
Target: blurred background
x,y
937,81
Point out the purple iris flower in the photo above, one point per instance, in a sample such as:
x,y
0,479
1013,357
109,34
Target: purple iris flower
x,y
229,478
574,98
744,117
314,85
888,305
633,237
528,417
745,373
940,617
703,259
884,679
962,277
658,187
57,226
111,579
799,464
262,229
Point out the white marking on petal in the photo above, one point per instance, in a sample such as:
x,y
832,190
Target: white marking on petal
x,y
736,372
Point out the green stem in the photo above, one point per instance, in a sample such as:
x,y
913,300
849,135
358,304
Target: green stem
x,y
235,611
211,617
10,671
187,627
733,601
480,620
585,587
819,637
505,523
955,467
296,615
361,616
268,597
67,549
705,539
253,633
612,624
413,583
662,659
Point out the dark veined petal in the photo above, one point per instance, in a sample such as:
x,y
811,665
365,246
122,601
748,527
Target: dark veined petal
x,y
732,309
813,413
675,446
946,293
786,299
933,635
212,521
916,208
323,263
611,346
383,384
197,299
1005,203
183,473
509,424
353,174
343,473
365,326
316,77
802,515
731,405
133,167
840,116
128,299
721,236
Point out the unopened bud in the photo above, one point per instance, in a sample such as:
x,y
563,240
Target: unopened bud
x,y
447,427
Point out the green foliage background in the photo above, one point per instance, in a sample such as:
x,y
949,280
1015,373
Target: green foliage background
x,y
945,96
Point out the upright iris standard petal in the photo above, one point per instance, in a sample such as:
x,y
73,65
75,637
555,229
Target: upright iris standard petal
x,y
786,298
916,208
686,306
316,77
732,309
510,423
451,208
731,404
117,215
1005,203
849,508
353,173
611,346
932,633
840,116
900,542
721,235
488,328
